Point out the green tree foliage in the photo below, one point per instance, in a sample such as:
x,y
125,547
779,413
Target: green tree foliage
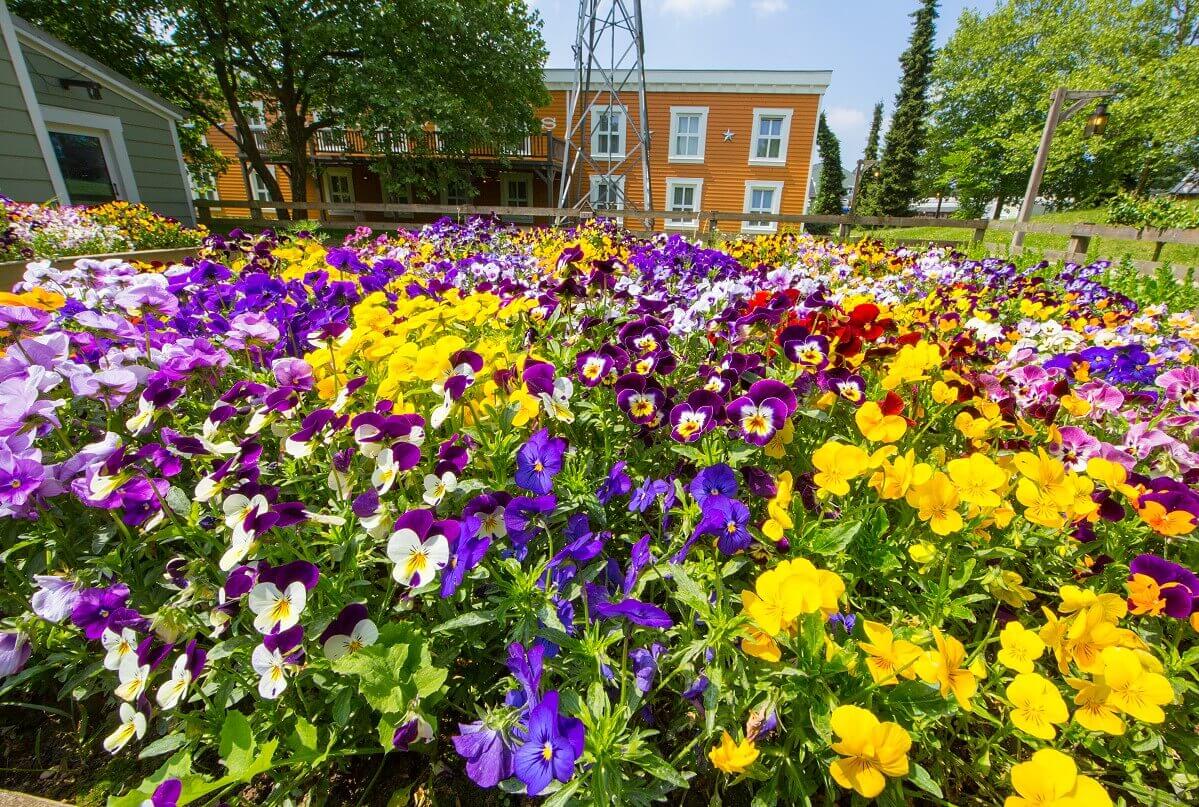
x,y
470,67
828,191
992,86
899,184
866,179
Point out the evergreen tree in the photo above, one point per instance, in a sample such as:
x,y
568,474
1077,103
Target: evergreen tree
x,y
866,179
899,185
876,124
828,191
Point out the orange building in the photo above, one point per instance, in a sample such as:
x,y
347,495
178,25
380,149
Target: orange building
x,y
739,141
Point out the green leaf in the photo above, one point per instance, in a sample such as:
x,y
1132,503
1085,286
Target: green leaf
x,y
660,769
163,745
921,779
468,620
428,680
304,737
688,592
237,743
834,539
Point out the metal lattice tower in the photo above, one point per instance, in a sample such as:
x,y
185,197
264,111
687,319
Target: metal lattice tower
x,y
609,55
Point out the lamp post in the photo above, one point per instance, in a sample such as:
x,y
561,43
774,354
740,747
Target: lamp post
x,y
1058,113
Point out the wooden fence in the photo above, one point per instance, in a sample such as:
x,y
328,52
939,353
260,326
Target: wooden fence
x,y
383,216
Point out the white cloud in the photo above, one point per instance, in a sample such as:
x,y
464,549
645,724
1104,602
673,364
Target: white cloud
x,y
844,117
696,8
767,7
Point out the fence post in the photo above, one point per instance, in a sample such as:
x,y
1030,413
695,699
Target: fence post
x,y
979,233
1077,247
843,230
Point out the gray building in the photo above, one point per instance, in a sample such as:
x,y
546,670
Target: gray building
x,y
74,130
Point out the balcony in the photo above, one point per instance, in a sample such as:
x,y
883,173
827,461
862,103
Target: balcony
x,y
331,143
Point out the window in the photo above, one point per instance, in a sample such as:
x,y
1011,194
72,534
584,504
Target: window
x,y
255,113
516,190
762,197
688,130
683,194
258,188
84,159
339,188
607,132
607,193
203,183
772,130
399,195
458,194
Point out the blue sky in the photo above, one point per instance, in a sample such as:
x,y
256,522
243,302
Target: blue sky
x,y
859,40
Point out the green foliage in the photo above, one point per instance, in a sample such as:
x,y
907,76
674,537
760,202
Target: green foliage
x,y
1176,291
1161,212
828,193
898,186
993,81
868,176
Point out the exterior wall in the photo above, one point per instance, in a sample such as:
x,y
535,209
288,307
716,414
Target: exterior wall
x,y
148,136
726,166
24,175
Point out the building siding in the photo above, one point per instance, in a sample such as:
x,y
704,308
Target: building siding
x,y
148,137
23,173
726,166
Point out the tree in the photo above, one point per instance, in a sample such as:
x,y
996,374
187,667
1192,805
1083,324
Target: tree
x,y
993,79
832,176
866,176
898,186
470,67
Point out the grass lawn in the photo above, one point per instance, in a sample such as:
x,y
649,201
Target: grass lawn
x,y
997,240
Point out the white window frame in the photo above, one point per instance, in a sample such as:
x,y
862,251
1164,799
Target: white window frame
x,y
596,181
697,202
784,135
341,171
596,112
675,113
506,200
776,203
258,118
111,133
263,193
213,195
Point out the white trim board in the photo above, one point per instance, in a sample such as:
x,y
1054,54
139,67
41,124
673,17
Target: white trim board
x,y
69,119
798,82
57,183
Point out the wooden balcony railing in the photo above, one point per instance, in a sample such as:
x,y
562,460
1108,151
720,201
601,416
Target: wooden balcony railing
x,y
356,143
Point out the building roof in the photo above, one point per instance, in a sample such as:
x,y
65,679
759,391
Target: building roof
x,y
740,81
1188,185
30,35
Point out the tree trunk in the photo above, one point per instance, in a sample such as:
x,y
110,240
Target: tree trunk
x,y
938,213
1143,178
999,200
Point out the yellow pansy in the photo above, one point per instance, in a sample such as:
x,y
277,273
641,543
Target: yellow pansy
x,y
1134,690
732,757
837,464
886,656
944,667
877,427
977,479
1051,779
1019,647
870,751
1037,706
936,502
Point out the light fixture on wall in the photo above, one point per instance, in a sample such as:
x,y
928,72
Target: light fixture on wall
x,y
92,87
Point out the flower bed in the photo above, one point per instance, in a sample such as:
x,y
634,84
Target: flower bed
x,y
30,231
575,515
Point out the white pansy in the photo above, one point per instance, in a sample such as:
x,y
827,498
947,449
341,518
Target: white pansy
x,y
436,487
133,681
364,634
416,562
272,671
133,724
275,609
121,647
386,471
173,690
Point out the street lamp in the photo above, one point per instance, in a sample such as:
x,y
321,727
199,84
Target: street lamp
x,y
1058,113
